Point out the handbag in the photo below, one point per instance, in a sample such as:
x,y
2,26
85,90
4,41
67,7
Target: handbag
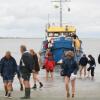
x,y
73,77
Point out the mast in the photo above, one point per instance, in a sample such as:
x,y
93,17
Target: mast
x,y
61,18
61,10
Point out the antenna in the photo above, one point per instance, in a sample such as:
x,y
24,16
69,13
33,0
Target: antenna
x,y
61,10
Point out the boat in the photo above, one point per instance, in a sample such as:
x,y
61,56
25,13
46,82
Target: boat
x,y
60,39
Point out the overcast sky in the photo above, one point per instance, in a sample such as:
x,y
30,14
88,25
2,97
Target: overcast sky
x,y
28,18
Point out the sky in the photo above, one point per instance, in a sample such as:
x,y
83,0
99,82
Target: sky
x,y
28,18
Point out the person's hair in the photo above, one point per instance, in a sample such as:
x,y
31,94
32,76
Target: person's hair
x,y
8,52
90,56
32,50
69,53
84,55
23,47
39,52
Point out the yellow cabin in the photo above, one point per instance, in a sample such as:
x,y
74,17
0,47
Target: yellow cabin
x,y
58,29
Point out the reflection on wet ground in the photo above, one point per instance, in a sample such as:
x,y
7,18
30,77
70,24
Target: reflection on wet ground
x,y
86,89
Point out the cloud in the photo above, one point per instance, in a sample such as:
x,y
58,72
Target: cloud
x,y
29,17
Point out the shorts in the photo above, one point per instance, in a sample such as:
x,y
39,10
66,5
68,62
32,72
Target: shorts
x,y
26,76
7,79
83,66
19,75
68,75
49,70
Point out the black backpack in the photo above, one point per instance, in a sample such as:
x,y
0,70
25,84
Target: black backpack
x,y
99,59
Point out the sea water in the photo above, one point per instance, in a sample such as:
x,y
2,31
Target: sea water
x,y
90,46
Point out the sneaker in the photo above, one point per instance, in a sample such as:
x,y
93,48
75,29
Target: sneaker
x,y
34,87
73,95
9,96
68,95
6,94
41,85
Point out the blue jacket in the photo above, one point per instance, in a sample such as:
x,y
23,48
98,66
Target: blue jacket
x,y
69,66
8,67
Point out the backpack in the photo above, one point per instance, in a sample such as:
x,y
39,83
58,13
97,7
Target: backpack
x,y
28,62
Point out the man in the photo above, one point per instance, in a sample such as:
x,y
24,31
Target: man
x,y
83,63
8,68
26,68
99,59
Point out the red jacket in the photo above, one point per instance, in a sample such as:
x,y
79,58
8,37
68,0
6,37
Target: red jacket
x,y
49,64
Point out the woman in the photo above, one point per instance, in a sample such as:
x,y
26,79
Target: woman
x,y
36,70
70,69
8,68
92,66
49,65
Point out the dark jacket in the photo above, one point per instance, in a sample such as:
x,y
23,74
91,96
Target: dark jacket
x,y
92,62
8,67
26,63
69,66
99,59
37,67
83,61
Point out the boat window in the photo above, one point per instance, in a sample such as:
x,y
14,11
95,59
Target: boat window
x,y
53,34
56,34
68,34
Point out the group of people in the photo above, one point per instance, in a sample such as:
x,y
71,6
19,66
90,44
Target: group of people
x,y
70,68
28,64
83,63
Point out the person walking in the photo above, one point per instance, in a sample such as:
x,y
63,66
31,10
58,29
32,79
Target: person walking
x,y
36,70
92,65
8,69
69,70
26,68
83,63
49,65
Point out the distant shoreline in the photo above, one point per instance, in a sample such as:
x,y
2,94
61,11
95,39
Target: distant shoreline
x,y
20,38
41,38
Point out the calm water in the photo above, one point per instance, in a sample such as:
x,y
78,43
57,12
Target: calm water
x,y
13,45
90,46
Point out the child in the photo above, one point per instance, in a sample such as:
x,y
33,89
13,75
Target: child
x,y
49,65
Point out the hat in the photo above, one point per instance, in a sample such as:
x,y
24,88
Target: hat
x,y
69,53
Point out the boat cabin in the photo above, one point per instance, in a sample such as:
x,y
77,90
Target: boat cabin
x,y
57,31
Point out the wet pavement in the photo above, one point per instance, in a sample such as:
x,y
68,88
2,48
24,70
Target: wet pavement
x,y
86,89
